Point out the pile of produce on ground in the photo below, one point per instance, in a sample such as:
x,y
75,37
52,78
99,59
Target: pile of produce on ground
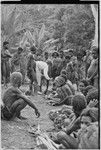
x,y
61,117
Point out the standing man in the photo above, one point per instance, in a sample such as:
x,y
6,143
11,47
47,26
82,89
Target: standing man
x,y
5,65
31,70
87,60
92,73
17,63
41,68
57,64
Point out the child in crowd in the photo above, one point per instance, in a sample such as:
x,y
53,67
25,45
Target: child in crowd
x,y
82,86
14,100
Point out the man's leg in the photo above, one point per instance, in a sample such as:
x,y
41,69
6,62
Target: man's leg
x,y
17,107
35,87
38,76
47,85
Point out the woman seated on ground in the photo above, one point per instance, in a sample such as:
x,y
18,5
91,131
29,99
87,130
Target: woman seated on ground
x,y
83,122
62,91
86,137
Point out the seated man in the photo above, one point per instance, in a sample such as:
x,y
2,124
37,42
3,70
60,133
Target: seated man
x,y
63,91
86,137
14,100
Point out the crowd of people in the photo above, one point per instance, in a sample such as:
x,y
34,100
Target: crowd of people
x,y
75,83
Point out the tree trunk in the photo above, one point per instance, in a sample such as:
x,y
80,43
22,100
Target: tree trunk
x,y
95,14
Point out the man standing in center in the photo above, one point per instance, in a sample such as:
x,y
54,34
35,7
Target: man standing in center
x,y
41,67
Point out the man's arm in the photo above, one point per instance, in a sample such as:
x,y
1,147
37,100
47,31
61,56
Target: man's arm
x,y
27,100
74,126
46,73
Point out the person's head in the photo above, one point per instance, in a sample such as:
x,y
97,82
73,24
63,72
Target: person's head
x,y
63,71
20,50
6,45
67,58
88,89
95,52
88,52
85,121
55,54
91,95
63,74
31,57
70,52
46,55
61,54
88,116
58,82
16,79
78,103
49,62
74,60
33,49
82,85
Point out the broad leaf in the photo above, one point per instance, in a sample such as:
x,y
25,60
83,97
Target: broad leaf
x,y
41,34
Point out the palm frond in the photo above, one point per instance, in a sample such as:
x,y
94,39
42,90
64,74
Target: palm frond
x,y
41,34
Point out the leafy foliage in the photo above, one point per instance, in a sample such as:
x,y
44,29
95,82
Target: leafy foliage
x,y
73,25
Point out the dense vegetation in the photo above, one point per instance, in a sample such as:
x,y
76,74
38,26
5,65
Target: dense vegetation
x,y
49,26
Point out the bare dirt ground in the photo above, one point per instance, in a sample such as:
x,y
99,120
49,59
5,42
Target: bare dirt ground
x,y
15,135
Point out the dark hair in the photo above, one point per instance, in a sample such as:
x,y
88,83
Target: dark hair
x,y
94,48
33,48
91,112
70,50
93,94
67,57
61,52
20,49
79,102
63,72
85,82
5,43
55,53
64,76
46,53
